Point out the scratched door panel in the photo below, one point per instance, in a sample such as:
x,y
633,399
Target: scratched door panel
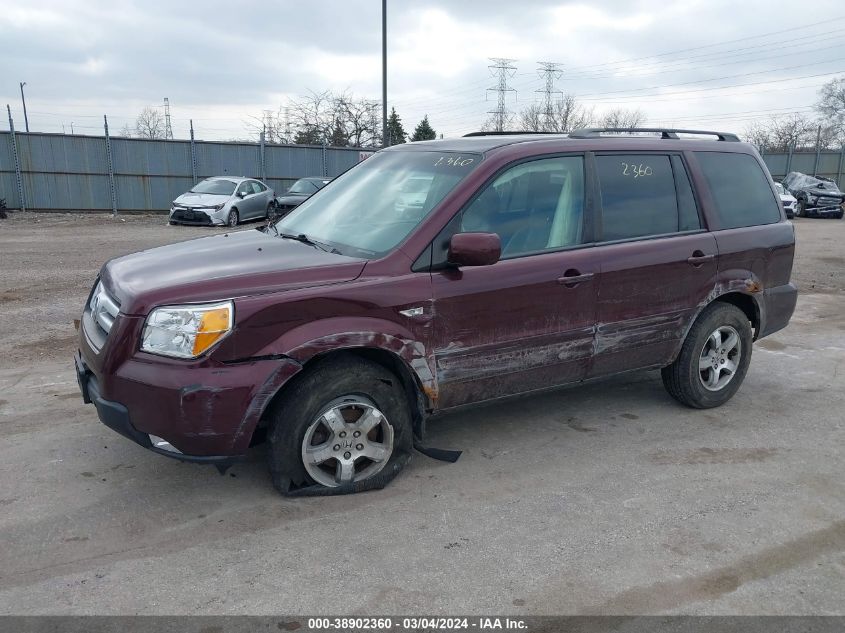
x,y
648,292
512,327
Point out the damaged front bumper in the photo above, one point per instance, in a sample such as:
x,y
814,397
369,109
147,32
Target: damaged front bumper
x,y
208,423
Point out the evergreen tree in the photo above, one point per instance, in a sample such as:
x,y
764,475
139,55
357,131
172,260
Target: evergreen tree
x,y
396,134
339,137
424,131
308,136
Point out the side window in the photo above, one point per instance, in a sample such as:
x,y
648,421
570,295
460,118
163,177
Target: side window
x,y
533,206
688,219
257,187
244,188
740,189
638,196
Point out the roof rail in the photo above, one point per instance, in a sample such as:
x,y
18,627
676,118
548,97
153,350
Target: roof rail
x,y
666,133
508,133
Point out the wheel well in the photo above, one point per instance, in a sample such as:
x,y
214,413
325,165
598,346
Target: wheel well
x,y
388,360
747,305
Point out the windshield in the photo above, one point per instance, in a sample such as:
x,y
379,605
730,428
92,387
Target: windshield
x,y
365,212
303,186
217,186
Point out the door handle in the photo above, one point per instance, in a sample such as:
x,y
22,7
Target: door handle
x,y
698,258
572,278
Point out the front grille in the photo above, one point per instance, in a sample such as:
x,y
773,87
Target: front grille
x,y
190,215
826,201
104,309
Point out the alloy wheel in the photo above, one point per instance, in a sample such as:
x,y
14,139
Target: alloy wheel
x,y
349,441
720,357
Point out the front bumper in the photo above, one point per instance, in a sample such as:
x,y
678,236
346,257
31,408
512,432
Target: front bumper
x,y
194,216
116,416
205,411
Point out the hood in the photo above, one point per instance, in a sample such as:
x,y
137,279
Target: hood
x,y
827,191
292,198
220,267
201,199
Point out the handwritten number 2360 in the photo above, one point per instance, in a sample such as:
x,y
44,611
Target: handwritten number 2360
x,y
637,171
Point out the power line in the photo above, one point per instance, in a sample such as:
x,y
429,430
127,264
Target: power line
x,y
502,68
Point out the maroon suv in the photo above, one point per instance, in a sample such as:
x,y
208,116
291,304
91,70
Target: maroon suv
x,y
531,261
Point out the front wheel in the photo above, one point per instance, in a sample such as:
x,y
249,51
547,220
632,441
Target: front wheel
x,y
233,218
343,425
713,360
800,209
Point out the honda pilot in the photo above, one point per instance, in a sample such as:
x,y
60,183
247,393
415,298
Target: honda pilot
x,y
531,261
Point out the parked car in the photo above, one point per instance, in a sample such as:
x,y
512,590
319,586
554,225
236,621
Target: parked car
x,y
299,192
816,196
411,198
223,200
787,200
536,261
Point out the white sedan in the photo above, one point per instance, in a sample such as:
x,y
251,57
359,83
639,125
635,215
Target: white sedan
x,y
787,200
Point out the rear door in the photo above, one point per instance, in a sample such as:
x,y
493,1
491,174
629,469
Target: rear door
x,y
527,321
657,262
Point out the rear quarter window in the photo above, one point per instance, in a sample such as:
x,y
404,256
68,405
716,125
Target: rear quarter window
x,y
740,189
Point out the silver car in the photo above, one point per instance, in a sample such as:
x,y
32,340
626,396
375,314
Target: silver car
x,y
223,200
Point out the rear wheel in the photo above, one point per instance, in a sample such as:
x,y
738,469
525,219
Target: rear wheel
x,y
713,360
271,210
233,218
344,424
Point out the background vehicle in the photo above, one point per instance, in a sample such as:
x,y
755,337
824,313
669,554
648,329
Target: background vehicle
x,y
787,200
223,200
535,261
816,196
300,191
412,195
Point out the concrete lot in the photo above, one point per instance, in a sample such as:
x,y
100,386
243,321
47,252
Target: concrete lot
x,y
608,498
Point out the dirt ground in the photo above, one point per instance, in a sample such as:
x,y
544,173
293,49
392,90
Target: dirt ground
x,y
607,498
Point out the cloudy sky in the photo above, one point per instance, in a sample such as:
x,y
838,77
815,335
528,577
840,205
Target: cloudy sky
x,y
691,63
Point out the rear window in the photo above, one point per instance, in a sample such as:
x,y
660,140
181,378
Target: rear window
x,y
740,189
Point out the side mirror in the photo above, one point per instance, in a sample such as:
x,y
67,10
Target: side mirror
x,y
242,194
474,249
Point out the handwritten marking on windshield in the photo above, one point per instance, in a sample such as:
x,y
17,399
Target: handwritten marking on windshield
x,y
454,161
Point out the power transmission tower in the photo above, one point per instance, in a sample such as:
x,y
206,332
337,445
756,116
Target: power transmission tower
x,y
168,131
549,71
502,69
287,125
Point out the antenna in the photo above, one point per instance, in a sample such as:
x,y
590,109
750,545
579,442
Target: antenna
x,y
168,131
549,71
502,68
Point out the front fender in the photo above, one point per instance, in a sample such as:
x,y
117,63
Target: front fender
x,y
327,335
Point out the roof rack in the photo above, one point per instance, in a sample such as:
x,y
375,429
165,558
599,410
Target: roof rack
x,y
509,133
666,133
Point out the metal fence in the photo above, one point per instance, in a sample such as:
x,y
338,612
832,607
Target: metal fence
x,y
819,163
59,172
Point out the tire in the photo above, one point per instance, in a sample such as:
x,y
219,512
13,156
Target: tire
x,y
271,211
171,223
701,358
233,219
358,391
800,209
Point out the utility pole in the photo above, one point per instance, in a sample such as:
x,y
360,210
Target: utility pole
x,y
23,100
501,68
549,71
168,131
383,72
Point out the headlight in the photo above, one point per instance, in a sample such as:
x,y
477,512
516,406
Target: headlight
x,y
186,331
217,207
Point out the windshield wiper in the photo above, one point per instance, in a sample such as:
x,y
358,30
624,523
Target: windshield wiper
x,y
301,237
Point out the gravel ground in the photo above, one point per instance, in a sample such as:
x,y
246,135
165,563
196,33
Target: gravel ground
x,y
608,498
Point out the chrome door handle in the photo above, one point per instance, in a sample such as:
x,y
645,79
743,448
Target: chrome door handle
x,y
570,281
699,259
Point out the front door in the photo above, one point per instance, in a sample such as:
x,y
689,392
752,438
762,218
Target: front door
x,y
527,321
657,264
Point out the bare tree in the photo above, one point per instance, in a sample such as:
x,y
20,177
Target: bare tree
x,y
127,131
831,103
794,131
566,115
149,124
272,124
623,118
